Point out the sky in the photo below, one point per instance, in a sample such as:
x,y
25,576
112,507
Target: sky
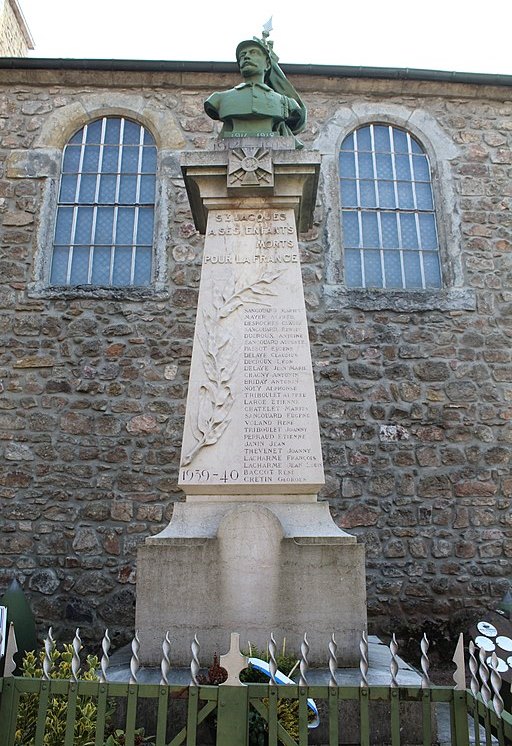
x,y
438,35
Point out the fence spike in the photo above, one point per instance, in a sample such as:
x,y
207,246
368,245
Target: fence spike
x,y
75,660
425,663
49,645
194,663
135,660
333,661
363,660
497,700
166,660
459,675
484,677
304,664
11,649
272,662
393,666
473,669
105,646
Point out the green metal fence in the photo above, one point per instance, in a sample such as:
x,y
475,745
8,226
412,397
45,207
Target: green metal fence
x,y
175,715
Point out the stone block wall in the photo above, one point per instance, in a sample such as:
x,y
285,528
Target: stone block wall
x,y
15,39
414,389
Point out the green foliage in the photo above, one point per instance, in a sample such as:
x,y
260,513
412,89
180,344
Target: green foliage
x,y
56,713
55,729
118,738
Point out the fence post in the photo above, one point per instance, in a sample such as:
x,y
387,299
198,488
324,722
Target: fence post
x,y
460,718
8,712
233,699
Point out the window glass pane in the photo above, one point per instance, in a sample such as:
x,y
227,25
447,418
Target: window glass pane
x,y
364,141
101,265
420,168
408,230
428,231
142,266
403,167
112,130
128,190
393,269
384,166
431,269
370,229
83,225
405,195
149,160
367,189
107,191
80,265
91,158
389,230
131,135
372,269
424,196
365,161
147,190
59,265
381,137
68,188
415,146
71,160
87,188
130,160
412,269
63,225
400,141
104,225
347,165
124,232
148,138
348,143
353,274
109,164
94,132
386,194
145,227
122,266
348,193
350,229
77,137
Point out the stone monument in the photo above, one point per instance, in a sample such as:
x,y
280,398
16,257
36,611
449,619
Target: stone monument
x,y
251,550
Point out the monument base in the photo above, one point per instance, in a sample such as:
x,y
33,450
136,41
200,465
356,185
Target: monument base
x,y
254,568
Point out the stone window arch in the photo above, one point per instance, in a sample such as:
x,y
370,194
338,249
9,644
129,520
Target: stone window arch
x,y
43,163
105,211
441,151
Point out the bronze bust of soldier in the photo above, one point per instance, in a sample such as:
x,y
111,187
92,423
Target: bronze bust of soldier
x,y
265,104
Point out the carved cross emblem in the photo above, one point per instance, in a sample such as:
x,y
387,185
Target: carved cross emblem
x,y
249,167
234,662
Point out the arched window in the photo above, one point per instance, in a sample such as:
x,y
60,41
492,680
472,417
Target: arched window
x,y
104,227
388,216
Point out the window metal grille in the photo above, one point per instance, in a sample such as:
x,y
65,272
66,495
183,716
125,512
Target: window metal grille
x,y
388,214
105,214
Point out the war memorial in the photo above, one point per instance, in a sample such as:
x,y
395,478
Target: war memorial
x,y
252,550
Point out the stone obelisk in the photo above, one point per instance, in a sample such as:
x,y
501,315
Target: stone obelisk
x,y
251,550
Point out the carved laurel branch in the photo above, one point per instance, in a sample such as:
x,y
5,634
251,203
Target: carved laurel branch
x,y
220,357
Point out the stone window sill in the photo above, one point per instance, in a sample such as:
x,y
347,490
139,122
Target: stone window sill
x,y
156,292
447,299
